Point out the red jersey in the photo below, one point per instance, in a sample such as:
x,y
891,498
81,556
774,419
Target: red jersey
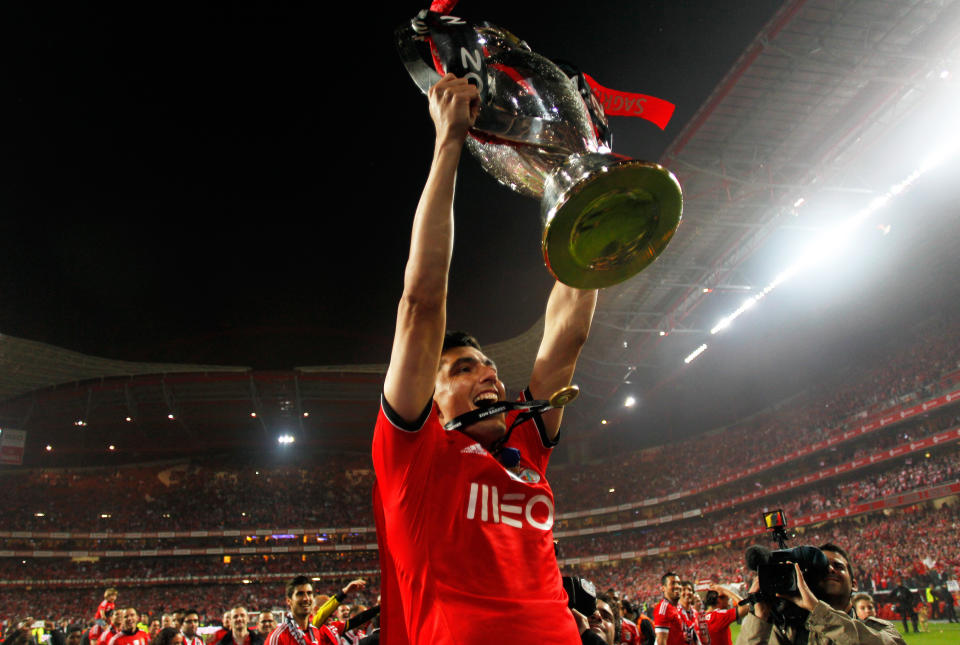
x,y
667,618
284,635
138,637
196,640
718,623
629,634
106,635
102,609
466,546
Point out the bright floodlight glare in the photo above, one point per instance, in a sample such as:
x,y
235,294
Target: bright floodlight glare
x,y
695,353
285,439
171,417
629,402
833,241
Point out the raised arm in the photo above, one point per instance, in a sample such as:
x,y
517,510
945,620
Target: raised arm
x,y
567,325
422,314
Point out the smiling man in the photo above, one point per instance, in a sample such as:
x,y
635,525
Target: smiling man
x,y
465,516
828,622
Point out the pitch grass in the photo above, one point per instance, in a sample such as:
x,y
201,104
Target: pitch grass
x,y
939,634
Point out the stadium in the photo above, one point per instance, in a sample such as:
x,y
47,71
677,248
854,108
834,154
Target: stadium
x,y
204,248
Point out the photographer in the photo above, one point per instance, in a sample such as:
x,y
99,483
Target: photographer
x,y
827,622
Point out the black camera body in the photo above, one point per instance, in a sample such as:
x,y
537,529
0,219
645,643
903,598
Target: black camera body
x,y
778,576
581,594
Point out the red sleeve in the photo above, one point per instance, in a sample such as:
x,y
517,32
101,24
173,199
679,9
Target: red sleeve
x,y
664,617
721,618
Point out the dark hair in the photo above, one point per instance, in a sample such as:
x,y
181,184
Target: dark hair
x,y
187,612
829,546
668,574
455,338
686,583
711,599
608,598
297,582
165,636
74,628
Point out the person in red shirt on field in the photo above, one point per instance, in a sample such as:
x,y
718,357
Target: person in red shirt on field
x,y
129,633
667,622
689,616
108,603
296,628
720,615
465,515
116,619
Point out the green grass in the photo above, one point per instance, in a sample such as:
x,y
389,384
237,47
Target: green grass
x,y
939,634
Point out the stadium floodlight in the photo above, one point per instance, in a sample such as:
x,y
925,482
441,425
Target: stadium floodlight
x,y
629,402
39,514
49,447
129,419
111,447
695,353
285,439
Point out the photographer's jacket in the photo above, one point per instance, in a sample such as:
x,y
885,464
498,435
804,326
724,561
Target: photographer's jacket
x,y
466,546
824,626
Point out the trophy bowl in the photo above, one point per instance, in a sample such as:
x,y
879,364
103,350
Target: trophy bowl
x,y
605,217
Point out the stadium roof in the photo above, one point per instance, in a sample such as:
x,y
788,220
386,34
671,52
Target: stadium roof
x,y
789,118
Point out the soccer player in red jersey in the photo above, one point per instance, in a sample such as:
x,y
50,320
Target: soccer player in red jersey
x,y
129,634
296,629
720,615
686,607
191,621
629,633
116,619
667,622
466,541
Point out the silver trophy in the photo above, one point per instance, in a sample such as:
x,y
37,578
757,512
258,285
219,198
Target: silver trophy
x,y
605,217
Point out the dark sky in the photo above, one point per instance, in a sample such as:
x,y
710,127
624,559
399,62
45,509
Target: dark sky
x,y
233,183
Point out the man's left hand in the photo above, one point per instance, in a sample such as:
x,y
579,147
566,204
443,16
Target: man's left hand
x,y
806,599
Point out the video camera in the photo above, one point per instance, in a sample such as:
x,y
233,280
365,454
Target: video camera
x,y
777,574
581,595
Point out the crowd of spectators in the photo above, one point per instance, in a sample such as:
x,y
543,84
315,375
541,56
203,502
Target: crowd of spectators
x,y
332,495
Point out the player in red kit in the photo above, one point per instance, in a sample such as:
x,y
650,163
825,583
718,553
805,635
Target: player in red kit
x,y
129,634
669,626
720,615
465,516
296,628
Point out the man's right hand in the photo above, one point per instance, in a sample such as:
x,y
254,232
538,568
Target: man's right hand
x,y
761,609
454,106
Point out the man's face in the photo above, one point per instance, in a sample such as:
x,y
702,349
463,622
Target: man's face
x,y
467,380
602,622
722,602
190,624
671,589
266,622
343,612
301,601
226,620
154,627
865,609
74,638
117,618
238,620
837,584
686,596
130,618
166,620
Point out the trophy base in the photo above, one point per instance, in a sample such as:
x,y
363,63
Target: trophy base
x,y
610,218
